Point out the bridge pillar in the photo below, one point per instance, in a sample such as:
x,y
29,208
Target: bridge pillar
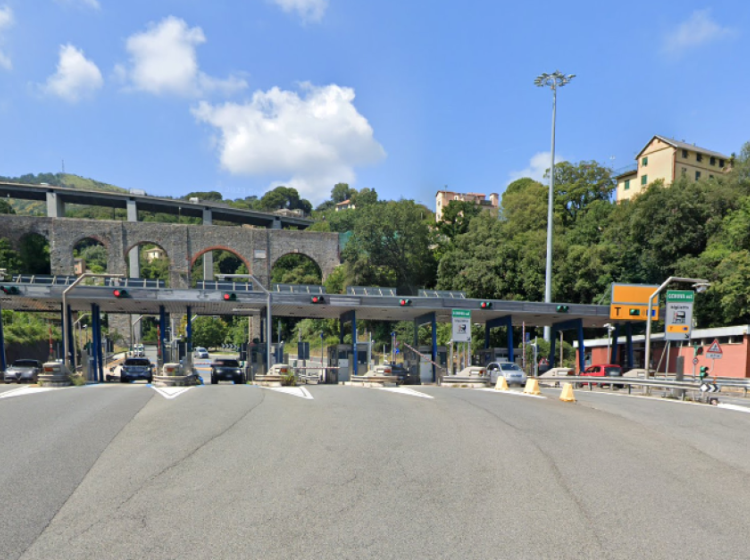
x,y
3,364
135,270
276,224
55,206
208,258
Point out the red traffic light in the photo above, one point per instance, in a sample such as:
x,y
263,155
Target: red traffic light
x,y
486,305
230,297
317,299
404,302
119,293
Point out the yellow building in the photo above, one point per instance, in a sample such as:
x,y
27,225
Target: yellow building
x,y
443,198
666,159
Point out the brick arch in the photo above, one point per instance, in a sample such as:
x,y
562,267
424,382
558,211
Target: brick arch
x,y
276,259
236,253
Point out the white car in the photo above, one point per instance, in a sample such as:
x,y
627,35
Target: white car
x,y
200,352
512,373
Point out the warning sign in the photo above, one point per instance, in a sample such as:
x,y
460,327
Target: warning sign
x,y
714,351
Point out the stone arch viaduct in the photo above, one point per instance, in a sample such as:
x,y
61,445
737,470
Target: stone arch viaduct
x,y
258,248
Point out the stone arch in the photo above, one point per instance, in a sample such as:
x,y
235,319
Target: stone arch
x,y
32,260
235,252
276,259
134,267
140,242
101,240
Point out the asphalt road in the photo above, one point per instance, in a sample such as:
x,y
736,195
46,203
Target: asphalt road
x,y
122,471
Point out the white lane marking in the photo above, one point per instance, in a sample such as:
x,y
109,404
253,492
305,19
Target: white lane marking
x,y
406,391
171,392
25,391
736,407
300,392
518,393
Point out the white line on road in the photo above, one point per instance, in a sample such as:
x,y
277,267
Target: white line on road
x,y
518,393
406,391
171,392
736,407
294,391
25,391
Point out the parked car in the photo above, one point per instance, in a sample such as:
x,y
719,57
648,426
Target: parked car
x,y
139,351
22,371
603,370
201,352
512,373
227,370
136,368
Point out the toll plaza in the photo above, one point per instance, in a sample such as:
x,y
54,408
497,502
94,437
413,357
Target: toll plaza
x,y
133,297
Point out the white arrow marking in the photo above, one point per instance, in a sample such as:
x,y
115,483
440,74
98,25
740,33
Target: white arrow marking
x,y
294,391
25,391
171,392
406,391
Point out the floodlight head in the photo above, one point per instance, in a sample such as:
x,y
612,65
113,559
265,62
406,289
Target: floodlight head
x,y
701,287
554,80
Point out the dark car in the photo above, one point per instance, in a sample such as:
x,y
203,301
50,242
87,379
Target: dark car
x,y
227,370
22,371
405,376
136,368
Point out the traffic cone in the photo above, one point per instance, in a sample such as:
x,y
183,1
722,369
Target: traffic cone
x,y
532,387
567,393
502,384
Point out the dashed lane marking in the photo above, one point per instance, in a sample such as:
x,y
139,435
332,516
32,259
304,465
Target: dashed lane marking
x,y
171,392
517,393
406,391
300,392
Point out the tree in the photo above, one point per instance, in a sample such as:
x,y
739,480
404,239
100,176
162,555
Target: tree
x,y
341,192
214,196
209,332
577,186
296,269
6,207
283,198
34,253
10,260
390,246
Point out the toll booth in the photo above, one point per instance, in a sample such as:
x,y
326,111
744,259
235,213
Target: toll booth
x,y
256,359
342,356
418,366
486,355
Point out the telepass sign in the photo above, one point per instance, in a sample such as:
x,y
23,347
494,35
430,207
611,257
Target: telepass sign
x,y
630,302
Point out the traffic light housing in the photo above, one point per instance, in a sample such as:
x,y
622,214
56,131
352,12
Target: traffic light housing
x,y
120,293
634,312
704,372
230,296
486,305
317,299
404,302
10,290
562,308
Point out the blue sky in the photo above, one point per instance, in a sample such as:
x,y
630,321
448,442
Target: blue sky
x,y
239,96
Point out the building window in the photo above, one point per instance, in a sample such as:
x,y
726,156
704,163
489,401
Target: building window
x,y
710,176
721,163
684,171
644,162
627,184
712,161
644,180
684,154
699,157
697,175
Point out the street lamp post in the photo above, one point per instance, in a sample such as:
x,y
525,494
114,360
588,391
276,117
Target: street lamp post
x,y
555,80
700,286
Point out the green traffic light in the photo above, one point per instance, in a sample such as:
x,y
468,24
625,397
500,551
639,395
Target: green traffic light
x,y
635,312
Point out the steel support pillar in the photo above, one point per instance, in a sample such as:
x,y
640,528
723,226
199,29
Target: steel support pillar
x,y
613,357
162,331
423,320
189,331
350,317
506,322
208,256
3,363
629,343
564,326
71,346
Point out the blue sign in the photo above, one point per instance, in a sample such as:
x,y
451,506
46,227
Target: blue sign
x,y
528,337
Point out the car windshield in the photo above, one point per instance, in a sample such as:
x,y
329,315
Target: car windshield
x,y
227,363
509,366
199,349
612,371
26,363
137,362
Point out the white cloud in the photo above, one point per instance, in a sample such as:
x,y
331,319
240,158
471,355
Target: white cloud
x,y
163,61
538,165
308,10
76,77
311,141
699,29
93,4
6,21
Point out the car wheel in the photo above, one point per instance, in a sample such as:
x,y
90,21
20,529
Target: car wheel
x,y
214,381
123,379
150,380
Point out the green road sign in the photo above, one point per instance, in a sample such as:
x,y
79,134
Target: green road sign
x,y
680,296
461,325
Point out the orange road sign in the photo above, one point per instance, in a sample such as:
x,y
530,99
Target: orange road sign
x,y
630,302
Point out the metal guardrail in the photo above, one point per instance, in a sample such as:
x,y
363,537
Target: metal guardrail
x,y
59,280
630,382
224,285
